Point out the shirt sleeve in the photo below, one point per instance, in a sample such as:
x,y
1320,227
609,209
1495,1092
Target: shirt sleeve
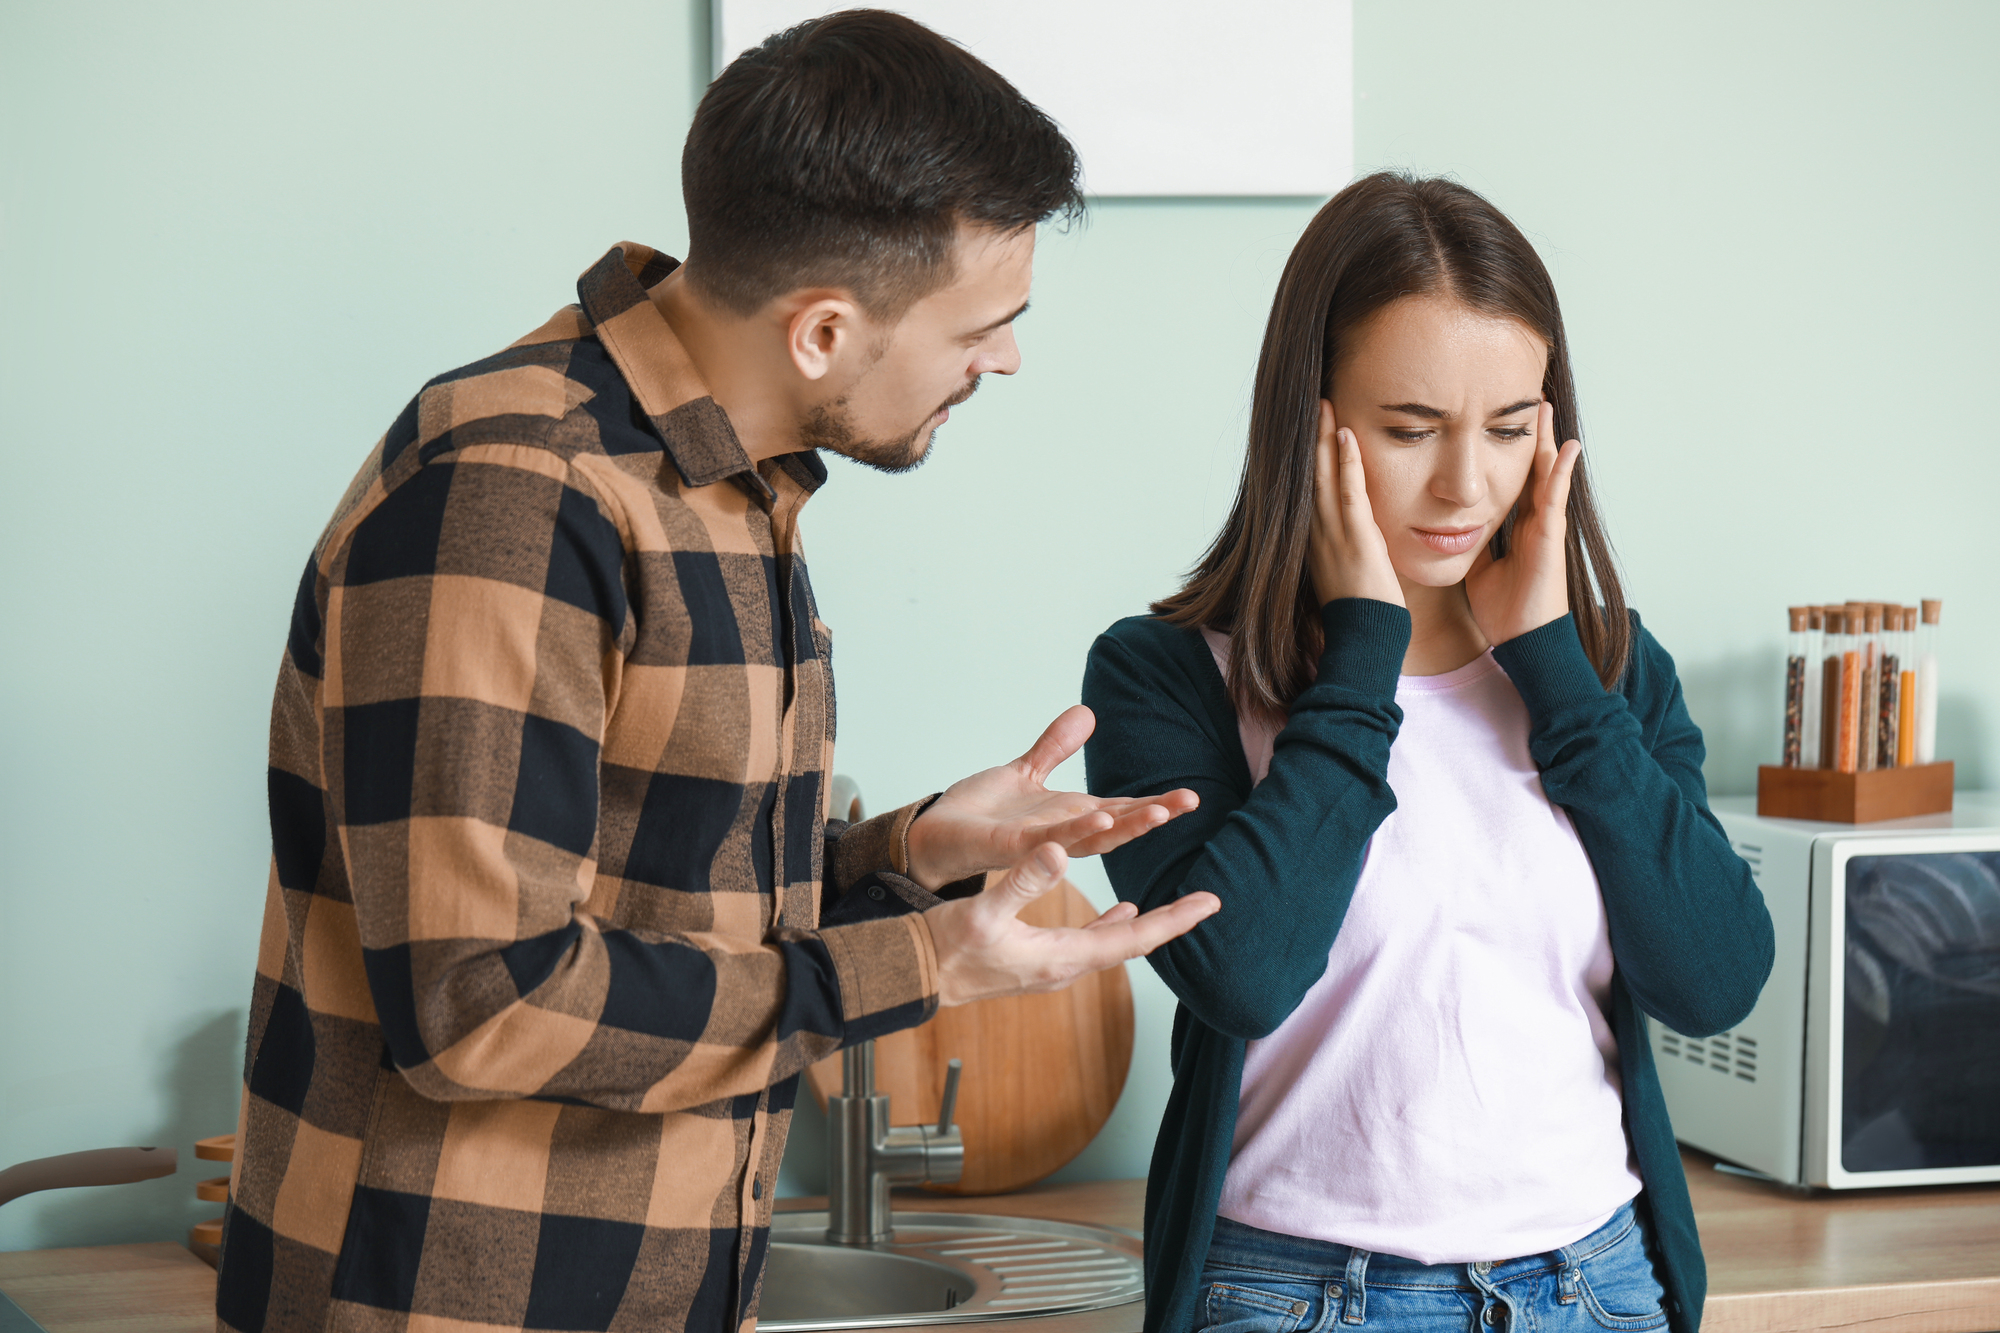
x,y
1284,858
475,634
1689,928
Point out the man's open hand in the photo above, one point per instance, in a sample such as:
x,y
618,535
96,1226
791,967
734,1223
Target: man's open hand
x,y
992,819
985,950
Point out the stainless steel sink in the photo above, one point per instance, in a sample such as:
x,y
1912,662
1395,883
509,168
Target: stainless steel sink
x,y
943,1268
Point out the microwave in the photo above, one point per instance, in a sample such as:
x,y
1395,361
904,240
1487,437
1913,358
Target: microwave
x,y
1873,1055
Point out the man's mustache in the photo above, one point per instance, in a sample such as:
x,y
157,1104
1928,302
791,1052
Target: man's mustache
x,y
962,394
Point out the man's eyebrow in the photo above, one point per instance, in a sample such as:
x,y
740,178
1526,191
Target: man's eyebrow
x,y
1004,319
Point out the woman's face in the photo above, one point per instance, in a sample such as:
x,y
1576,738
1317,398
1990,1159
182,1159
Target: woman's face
x,y
1443,401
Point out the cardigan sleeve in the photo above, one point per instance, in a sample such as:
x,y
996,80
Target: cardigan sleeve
x,y
1283,859
1688,925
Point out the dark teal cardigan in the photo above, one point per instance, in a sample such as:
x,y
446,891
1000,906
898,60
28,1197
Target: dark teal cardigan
x,y
1689,932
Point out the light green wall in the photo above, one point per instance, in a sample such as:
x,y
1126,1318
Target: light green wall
x,y
235,237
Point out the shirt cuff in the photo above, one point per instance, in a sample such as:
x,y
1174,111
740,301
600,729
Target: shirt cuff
x,y
1549,668
871,846
1365,643
888,974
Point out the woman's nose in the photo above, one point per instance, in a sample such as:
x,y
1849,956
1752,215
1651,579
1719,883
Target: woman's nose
x,y
1458,478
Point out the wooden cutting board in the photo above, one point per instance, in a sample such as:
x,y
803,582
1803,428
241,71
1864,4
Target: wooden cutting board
x,y
1042,1072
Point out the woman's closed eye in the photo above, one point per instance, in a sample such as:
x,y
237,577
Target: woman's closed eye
x,y
1418,434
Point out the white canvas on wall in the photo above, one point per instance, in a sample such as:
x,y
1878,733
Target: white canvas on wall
x,y
1167,98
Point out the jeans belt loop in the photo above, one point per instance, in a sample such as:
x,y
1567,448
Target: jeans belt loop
x,y
1567,1278
1354,1299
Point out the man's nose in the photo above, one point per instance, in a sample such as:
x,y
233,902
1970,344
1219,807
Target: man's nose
x,y
1001,355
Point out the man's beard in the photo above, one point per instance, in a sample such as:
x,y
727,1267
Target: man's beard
x,y
830,426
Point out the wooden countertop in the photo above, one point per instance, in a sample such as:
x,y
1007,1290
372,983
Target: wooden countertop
x,y
156,1288
1924,1260
1779,1261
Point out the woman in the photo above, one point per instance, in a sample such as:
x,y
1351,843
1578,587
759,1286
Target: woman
x,y
1453,806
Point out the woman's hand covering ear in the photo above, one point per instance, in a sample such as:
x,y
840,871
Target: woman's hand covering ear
x,y
1349,557
1529,587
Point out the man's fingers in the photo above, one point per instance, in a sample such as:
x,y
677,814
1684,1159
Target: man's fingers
x,y
1112,915
1096,947
1131,825
1031,877
1061,739
1114,823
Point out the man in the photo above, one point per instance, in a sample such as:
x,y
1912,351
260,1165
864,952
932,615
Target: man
x,y
556,917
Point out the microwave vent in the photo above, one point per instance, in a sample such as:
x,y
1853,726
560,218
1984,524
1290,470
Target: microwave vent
x,y
1728,1053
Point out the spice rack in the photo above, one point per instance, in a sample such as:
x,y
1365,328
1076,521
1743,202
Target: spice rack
x,y
1854,798
1860,739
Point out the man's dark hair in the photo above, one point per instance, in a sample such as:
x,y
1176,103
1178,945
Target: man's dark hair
x,y
846,151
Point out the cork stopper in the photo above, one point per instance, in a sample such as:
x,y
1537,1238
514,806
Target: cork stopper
x,y
1815,617
1871,618
1909,621
1796,615
1836,620
1933,608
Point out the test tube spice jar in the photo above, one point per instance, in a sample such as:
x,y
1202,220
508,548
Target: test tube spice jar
x,y
1860,716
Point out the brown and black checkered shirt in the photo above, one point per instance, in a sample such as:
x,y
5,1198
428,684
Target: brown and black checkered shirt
x,y
544,950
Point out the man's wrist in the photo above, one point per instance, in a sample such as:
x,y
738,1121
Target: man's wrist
x,y
911,851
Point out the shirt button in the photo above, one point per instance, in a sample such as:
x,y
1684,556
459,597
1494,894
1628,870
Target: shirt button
x,y
877,892
756,1187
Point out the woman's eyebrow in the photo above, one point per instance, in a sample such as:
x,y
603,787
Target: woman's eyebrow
x,y
1430,413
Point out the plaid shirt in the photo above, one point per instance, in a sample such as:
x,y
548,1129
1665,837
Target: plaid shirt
x,y
543,951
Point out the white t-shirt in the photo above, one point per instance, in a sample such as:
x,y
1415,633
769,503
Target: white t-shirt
x,y
1448,1091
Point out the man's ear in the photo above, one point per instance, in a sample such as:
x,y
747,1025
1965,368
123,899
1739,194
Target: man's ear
x,y
825,332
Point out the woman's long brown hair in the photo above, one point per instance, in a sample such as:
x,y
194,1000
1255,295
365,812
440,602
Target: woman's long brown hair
x,y
1382,238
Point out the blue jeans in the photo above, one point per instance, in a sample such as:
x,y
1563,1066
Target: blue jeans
x,y
1258,1281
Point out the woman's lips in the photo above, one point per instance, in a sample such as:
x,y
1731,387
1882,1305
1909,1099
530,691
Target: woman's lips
x,y
1450,541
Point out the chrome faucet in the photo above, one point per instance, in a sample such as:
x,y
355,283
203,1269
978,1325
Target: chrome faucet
x,y
864,1156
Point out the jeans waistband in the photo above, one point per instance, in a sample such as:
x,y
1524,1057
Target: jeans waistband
x,y
1240,1244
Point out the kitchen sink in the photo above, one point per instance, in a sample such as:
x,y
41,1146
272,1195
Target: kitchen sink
x,y
943,1268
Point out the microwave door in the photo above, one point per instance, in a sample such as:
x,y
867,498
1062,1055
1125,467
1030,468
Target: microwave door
x,y
1910,999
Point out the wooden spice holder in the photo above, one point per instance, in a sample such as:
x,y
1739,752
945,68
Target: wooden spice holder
x,y
1854,798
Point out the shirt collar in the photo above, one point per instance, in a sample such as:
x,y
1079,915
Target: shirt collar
x,y
616,296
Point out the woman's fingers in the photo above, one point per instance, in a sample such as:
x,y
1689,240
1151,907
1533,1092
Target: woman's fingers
x,y
1349,557
1326,471
1549,484
1564,469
